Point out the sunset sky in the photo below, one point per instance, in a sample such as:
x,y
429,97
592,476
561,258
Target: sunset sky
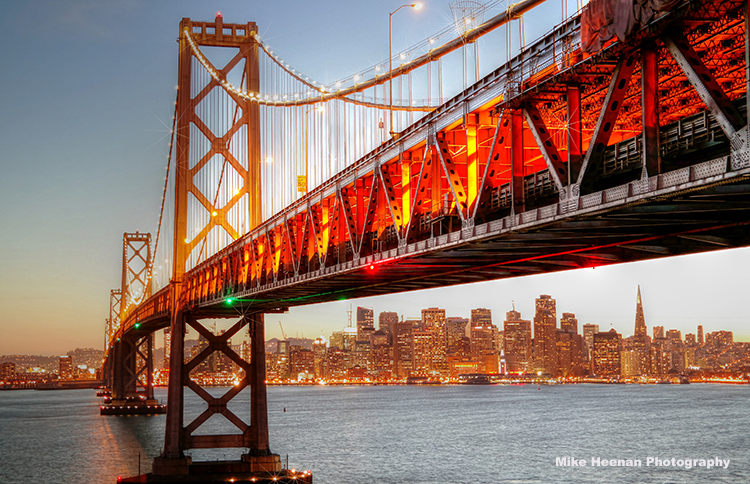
x,y
86,98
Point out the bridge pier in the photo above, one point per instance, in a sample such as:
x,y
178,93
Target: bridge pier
x,y
258,463
125,398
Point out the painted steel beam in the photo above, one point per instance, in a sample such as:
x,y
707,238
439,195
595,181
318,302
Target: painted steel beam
x,y
451,173
704,83
517,162
575,132
618,87
546,145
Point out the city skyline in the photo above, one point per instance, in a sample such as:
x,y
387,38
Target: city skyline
x,y
84,159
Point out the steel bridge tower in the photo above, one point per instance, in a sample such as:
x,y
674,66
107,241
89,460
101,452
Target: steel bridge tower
x,y
189,247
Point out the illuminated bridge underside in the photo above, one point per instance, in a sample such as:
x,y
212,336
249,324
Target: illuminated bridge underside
x,y
501,182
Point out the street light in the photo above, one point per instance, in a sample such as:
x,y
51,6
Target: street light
x,y
415,6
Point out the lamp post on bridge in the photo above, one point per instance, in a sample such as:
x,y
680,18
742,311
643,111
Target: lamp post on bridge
x,y
415,6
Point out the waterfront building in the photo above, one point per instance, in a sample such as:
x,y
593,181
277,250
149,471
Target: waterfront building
x,y
277,366
319,349
545,333
381,354
66,368
336,363
302,364
517,334
482,339
607,348
7,371
423,347
588,340
630,363
569,354
661,359
462,365
433,320
361,354
455,333
403,349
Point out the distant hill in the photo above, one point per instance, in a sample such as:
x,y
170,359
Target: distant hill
x,y
303,342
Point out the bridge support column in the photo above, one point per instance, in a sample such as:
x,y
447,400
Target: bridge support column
x,y
650,108
516,162
575,137
253,437
173,461
259,455
118,371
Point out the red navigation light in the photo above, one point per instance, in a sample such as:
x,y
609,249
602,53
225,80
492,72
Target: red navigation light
x,y
218,14
372,267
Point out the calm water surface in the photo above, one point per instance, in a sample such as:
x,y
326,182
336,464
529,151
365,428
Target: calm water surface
x,y
410,435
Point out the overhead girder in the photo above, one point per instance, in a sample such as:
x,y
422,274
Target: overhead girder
x,y
704,83
618,87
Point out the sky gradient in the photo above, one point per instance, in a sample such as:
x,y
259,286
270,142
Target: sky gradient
x,y
86,98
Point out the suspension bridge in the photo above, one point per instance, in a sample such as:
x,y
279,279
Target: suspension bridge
x,y
620,135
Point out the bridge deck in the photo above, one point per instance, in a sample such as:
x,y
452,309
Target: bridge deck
x,y
341,240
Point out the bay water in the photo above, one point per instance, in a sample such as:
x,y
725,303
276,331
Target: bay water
x,y
411,434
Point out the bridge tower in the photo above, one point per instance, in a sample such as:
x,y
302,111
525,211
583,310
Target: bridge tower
x,y
204,217
130,363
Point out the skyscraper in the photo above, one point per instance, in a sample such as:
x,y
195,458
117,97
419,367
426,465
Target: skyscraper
x,y
641,342
569,323
607,348
570,347
588,341
403,349
517,342
545,335
700,334
640,320
365,323
433,320
386,320
455,332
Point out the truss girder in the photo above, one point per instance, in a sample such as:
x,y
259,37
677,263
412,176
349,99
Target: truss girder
x,y
136,270
557,168
618,88
450,169
704,83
